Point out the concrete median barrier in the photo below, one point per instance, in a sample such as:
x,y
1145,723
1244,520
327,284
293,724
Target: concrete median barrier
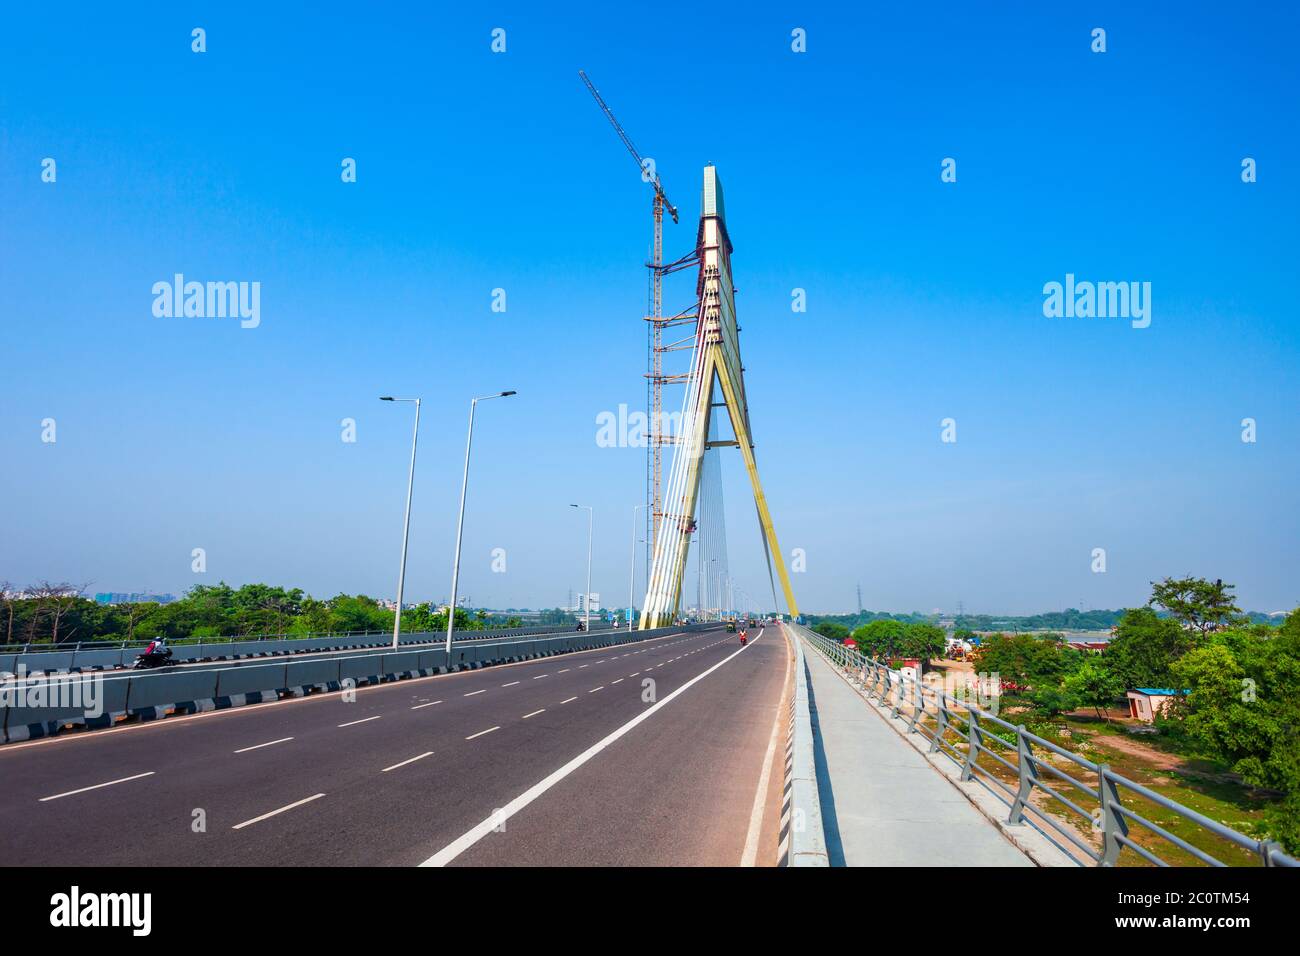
x,y
109,659
235,683
181,690
150,695
305,675
401,664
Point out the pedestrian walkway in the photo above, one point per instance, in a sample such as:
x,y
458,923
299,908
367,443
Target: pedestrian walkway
x,y
882,803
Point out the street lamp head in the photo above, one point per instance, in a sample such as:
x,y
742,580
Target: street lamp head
x,y
385,398
505,394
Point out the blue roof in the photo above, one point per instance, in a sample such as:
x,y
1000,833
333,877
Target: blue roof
x,y
1162,691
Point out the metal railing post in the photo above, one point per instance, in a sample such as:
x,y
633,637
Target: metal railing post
x,y
1027,771
973,739
940,722
918,706
1113,824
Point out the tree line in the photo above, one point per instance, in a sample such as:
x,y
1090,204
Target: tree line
x,y
48,613
1236,680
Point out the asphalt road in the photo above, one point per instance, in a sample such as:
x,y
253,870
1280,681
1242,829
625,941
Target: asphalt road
x,y
641,755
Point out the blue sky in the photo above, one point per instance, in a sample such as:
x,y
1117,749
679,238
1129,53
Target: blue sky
x,y
479,171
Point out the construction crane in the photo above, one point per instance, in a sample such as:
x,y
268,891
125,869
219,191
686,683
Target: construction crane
x,y
654,360
661,198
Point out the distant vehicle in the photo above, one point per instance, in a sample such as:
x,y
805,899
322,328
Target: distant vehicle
x,y
731,627
581,626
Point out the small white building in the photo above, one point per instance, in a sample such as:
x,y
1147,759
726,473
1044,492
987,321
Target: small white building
x,y
1145,702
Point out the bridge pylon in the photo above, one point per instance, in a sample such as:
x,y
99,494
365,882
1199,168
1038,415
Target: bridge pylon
x,y
715,368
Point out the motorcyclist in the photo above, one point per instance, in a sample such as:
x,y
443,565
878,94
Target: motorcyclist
x,y
743,637
158,648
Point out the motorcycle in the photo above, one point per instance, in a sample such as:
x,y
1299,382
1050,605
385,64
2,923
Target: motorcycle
x,y
743,639
581,626
150,661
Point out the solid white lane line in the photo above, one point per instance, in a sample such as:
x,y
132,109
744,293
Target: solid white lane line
x,y
429,704
405,762
533,714
482,732
469,838
750,856
97,786
244,750
363,720
511,684
267,816
569,701
473,692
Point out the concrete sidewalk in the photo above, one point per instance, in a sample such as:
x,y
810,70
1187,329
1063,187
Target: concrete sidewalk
x,y
882,804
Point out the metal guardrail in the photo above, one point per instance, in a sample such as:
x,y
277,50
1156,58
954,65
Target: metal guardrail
x,y
807,832
1014,765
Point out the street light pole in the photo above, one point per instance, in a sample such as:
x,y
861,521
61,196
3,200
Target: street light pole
x,y
460,521
631,578
406,522
586,614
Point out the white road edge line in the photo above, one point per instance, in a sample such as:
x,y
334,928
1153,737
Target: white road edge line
x,y
267,816
97,786
750,856
269,743
482,732
468,839
428,753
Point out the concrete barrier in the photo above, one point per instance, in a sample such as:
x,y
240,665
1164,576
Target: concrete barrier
x,y
249,678
181,689
401,664
49,705
45,661
807,845
97,659
323,673
152,694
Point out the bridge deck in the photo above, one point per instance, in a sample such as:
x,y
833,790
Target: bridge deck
x,y
882,804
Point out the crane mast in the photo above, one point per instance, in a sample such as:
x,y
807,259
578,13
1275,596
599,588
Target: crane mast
x,y
655,377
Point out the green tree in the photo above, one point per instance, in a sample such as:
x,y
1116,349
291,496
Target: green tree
x,y
1200,604
924,641
1243,707
833,630
1036,661
881,638
1145,647
1092,684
